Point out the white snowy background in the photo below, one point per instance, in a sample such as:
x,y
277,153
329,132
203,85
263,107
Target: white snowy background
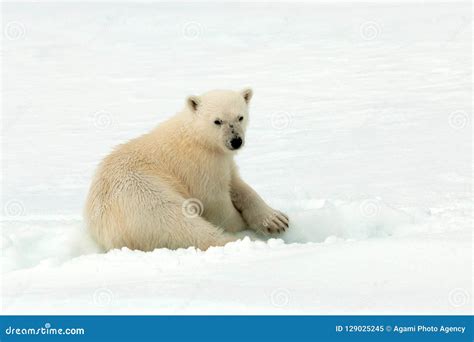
x,y
361,130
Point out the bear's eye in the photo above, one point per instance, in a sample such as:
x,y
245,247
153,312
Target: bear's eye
x,y
241,118
218,122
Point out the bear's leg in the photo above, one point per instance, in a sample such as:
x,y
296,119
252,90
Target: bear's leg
x,y
199,233
232,220
258,215
156,217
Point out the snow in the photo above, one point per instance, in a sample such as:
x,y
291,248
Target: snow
x,y
361,131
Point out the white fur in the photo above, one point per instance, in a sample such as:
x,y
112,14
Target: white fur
x,y
140,193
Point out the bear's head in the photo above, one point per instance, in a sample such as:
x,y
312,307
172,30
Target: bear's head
x,y
220,118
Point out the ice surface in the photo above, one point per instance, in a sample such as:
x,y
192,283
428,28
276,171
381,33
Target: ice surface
x,y
361,131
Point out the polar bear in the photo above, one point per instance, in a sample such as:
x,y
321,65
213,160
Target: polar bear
x,y
178,185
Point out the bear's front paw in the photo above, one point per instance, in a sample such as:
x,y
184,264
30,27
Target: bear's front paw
x,y
273,221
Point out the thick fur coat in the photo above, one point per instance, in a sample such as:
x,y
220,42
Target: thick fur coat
x,y
178,186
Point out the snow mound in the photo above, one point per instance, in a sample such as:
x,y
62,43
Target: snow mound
x,y
28,243
50,242
352,220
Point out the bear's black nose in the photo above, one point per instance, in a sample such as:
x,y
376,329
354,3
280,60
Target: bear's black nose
x,y
236,143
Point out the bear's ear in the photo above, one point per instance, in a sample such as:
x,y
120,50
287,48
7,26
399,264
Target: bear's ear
x,y
247,94
193,102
